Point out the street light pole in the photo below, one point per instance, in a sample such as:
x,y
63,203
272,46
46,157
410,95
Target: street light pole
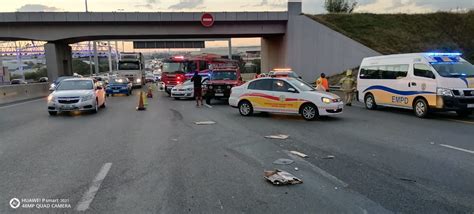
x,y
87,10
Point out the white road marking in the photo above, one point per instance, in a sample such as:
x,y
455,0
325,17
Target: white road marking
x,y
209,106
90,194
457,148
17,104
461,121
318,170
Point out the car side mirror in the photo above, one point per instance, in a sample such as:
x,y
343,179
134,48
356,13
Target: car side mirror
x,y
292,90
51,88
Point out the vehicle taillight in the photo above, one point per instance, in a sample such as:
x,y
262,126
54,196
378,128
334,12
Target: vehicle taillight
x,y
179,78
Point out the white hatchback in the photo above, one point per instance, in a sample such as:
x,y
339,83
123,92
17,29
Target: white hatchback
x,y
284,95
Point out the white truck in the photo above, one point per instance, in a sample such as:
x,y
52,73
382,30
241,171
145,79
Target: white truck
x,y
132,67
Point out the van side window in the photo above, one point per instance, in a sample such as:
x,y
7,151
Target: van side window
x,y
384,72
422,70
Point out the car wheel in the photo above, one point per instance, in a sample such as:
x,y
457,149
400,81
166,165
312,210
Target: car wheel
x,y
420,107
464,113
309,111
370,102
53,113
245,108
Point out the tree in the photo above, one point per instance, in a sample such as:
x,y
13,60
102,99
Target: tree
x,y
340,6
80,67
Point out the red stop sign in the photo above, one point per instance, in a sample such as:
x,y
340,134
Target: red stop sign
x,y
207,20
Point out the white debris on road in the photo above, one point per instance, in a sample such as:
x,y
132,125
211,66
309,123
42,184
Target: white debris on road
x,y
280,177
204,122
299,154
280,136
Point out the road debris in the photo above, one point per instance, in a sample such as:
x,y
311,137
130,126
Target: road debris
x,y
408,180
174,139
432,143
279,177
280,136
299,154
204,122
296,169
283,161
329,157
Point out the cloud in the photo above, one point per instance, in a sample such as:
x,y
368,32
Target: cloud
x,y
412,6
37,8
272,3
148,4
187,4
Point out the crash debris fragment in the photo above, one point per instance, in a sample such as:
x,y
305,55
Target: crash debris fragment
x,y
283,161
280,177
280,136
299,154
329,157
204,122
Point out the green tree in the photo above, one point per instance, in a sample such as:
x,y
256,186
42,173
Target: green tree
x,y
340,6
80,67
15,76
257,63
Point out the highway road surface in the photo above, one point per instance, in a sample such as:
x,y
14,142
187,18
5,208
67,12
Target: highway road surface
x,y
158,161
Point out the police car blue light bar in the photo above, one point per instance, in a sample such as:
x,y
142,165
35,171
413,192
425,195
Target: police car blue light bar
x,y
444,54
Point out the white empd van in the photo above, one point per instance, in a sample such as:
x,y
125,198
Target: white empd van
x,y
423,82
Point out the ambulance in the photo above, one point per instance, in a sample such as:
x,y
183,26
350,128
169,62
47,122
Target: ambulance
x,y
423,82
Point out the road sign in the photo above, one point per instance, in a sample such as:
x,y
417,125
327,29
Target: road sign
x,y
207,20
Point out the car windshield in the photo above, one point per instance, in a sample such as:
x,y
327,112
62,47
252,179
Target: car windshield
x,y
124,66
454,69
224,75
301,85
75,85
119,80
172,67
63,78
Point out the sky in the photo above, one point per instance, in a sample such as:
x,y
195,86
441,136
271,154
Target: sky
x,y
309,6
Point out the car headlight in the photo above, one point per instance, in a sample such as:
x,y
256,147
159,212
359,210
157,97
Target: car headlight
x,y
326,100
87,97
444,92
139,80
210,87
51,98
189,89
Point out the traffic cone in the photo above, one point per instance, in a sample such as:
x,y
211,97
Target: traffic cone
x,y
149,94
141,105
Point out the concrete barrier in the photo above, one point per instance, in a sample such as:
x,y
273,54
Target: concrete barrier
x,y
15,93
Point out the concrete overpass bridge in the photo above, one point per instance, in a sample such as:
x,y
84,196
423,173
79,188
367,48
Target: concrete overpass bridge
x,y
289,38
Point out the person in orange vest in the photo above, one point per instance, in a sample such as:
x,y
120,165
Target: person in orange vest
x,y
322,83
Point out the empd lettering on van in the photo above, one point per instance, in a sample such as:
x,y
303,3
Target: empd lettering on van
x,y
396,99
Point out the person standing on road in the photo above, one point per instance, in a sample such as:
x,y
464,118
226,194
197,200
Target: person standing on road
x,y
322,83
197,80
348,85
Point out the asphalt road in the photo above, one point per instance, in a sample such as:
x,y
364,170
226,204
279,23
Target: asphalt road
x,y
159,161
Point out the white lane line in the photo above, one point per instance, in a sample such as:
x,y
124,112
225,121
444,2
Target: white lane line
x,y
457,148
90,194
209,106
22,103
461,121
318,170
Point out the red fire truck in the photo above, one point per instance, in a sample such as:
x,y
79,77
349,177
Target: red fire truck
x,y
178,69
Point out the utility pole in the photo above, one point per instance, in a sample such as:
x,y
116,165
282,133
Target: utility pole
x,y
90,58
110,56
230,48
116,54
87,9
96,58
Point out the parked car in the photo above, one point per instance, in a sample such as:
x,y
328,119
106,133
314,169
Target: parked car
x,y
79,94
150,78
17,81
43,79
185,89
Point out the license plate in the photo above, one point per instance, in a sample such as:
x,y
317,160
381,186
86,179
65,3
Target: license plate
x,y
115,91
470,105
219,95
67,107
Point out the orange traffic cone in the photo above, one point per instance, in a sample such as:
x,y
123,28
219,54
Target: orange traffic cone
x,y
149,94
141,106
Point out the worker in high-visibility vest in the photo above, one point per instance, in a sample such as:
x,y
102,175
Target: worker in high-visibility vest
x,y
322,83
348,86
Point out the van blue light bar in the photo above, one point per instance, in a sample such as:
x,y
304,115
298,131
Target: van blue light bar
x,y
444,54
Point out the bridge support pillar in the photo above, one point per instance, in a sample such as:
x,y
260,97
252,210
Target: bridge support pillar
x,y
273,53
58,60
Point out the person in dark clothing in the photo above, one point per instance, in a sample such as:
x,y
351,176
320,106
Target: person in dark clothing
x,y
197,80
